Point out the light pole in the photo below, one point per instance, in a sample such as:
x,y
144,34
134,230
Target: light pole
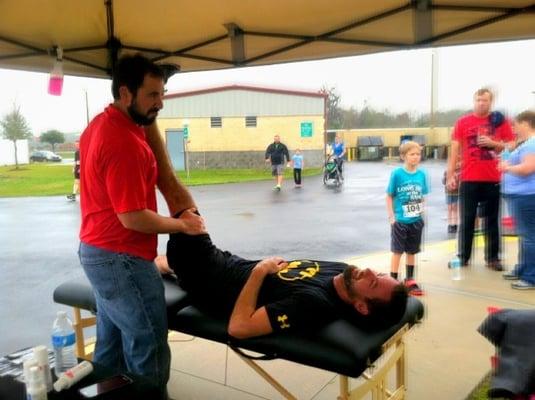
x,y
434,95
86,107
185,136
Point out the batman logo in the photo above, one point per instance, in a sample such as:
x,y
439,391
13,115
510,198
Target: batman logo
x,y
299,269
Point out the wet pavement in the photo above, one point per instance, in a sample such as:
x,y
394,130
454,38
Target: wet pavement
x,y
39,235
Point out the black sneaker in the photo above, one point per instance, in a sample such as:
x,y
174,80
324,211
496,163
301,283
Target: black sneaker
x,y
495,265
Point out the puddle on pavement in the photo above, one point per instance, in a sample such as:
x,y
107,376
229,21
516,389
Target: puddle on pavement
x,y
246,214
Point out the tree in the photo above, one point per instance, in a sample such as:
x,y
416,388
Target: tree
x,y
335,117
53,137
15,127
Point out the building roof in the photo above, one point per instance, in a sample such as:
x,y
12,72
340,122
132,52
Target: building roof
x,y
252,88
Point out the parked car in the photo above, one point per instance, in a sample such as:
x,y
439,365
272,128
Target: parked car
x,y
44,155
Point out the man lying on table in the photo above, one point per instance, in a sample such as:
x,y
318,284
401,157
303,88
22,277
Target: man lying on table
x,y
264,296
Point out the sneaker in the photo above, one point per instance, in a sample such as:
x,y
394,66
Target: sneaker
x,y
454,228
495,265
523,285
413,288
277,188
510,276
71,197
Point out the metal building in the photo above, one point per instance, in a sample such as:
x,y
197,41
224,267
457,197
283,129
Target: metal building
x,y
231,126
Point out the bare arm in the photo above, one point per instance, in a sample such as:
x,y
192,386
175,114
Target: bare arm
x,y
176,195
526,167
452,162
390,209
147,221
497,145
246,319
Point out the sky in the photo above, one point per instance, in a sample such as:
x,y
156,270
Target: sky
x,y
398,81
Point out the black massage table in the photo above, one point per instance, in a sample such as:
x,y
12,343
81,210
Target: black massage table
x,y
339,347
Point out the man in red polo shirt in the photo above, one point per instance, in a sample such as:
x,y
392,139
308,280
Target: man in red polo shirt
x,y
478,138
120,224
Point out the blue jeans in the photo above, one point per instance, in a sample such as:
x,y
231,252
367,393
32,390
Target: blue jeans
x,y
131,313
524,212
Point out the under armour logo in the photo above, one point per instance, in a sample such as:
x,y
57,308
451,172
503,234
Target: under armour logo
x,y
282,319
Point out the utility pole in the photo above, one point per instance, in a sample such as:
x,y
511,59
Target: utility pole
x,y
86,107
434,89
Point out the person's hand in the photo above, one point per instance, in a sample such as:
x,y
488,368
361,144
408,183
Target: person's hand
x,y
289,164
193,224
451,183
162,265
503,165
267,160
271,265
484,141
391,219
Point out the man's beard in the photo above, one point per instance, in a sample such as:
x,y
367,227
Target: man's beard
x,y
347,275
138,118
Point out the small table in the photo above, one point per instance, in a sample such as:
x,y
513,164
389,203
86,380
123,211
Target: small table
x,y
140,389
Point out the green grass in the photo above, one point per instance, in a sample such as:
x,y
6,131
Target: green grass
x,y
65,154
39,179
44,179
480,391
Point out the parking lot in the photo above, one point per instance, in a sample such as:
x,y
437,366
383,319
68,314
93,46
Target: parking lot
x,y
40,234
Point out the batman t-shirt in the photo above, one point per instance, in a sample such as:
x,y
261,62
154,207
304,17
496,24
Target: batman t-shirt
x,y
300,297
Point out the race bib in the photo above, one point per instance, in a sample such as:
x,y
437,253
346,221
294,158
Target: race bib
x,y
412,210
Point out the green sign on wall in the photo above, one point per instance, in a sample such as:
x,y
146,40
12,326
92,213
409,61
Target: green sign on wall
x,y
307,129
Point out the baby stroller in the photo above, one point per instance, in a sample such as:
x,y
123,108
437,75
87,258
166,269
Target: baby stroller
x,y
331,171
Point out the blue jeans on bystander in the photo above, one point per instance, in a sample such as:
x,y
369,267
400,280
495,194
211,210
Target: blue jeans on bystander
x,y
524,212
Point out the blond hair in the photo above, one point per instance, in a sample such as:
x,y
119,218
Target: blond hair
x,y
408,146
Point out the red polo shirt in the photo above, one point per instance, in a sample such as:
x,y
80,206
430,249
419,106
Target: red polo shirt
x,y
118,175
479,164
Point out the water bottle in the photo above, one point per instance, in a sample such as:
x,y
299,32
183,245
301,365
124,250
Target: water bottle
x,y
63,341
455,265
505,154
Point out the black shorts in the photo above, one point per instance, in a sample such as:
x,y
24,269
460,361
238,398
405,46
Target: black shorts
x,y
406,238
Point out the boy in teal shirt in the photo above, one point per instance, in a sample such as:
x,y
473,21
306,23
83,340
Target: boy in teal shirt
x,y
297,161
405,204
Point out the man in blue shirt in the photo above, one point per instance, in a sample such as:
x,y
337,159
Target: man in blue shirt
x,y
339,150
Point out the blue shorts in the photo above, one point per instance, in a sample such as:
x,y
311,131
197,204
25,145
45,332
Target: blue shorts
x,y
452,198
406,238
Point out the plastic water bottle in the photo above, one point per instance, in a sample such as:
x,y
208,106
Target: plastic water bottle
x,y
455,265
63,341
505,154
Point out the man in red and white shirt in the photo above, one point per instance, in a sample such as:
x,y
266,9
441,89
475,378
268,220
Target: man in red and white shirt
x,y
120,223
477,140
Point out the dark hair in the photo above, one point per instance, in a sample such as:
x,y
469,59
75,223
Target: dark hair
x,y
527,116
130,71
388,313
